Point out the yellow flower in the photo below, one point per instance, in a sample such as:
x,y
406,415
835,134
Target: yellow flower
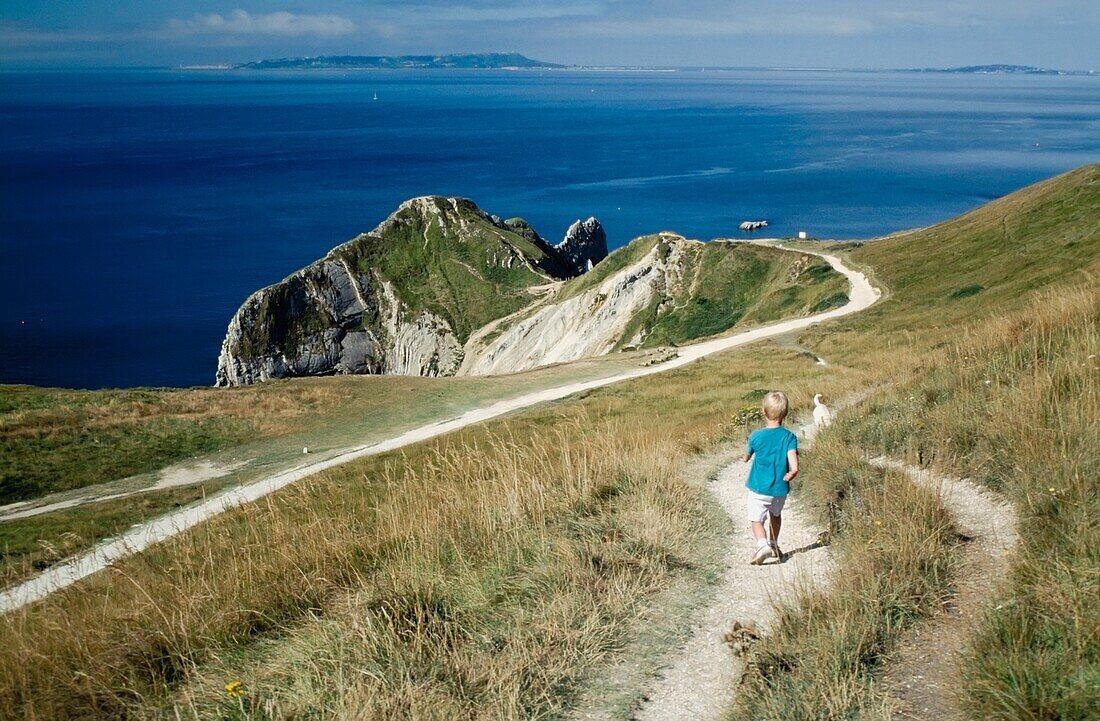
x,y
878,522
1052,489
235,689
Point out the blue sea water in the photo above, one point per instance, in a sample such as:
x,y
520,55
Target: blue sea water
x,y
138,208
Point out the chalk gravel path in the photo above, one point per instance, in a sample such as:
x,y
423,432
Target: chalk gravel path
x,y
701,677
923,674
861,295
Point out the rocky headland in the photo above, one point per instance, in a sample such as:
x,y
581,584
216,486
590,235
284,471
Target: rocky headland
x,y
441,288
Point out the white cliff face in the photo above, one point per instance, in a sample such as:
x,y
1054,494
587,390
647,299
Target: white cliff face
x,y
404,343
417,344
590,324
343,315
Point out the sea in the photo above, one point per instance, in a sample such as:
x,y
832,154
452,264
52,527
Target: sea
x,y
140,207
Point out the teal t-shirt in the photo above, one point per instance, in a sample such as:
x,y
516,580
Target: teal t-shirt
x,y
769,447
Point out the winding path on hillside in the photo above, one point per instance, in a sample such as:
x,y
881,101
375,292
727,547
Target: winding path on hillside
x,y
698,681
861,295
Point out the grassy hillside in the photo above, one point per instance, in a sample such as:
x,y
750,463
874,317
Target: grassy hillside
x,y
442,255
976,266
485,574
722,285
985,353
477,576
452,261
731,284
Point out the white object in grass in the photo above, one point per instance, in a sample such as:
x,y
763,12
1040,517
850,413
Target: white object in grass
x,y
823,417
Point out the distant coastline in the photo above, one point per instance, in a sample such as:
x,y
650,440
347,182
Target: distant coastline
x,y
517,61
1003,70
495,61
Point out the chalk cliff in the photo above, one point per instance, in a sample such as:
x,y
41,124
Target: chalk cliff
x,y
401,299
442,288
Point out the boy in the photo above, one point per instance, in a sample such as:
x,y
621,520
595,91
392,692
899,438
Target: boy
x,y
775,450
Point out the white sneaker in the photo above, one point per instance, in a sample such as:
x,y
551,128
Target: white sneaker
x,y
763,553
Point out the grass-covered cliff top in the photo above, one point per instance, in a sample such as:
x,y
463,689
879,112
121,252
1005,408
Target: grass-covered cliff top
x,y
447,256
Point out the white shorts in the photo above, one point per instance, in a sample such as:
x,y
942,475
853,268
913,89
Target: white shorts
x,y
759,506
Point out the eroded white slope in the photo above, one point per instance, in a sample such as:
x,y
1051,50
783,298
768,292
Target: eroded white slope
x,y
586,325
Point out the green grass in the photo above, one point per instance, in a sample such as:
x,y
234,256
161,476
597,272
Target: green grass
x,y
78,456
430,267
54,439
734,283
966,291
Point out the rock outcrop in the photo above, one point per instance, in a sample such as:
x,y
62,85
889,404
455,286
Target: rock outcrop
x,y
329,319
402,299
442,288
585,245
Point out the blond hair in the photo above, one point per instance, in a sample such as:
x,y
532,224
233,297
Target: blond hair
x,y
775,406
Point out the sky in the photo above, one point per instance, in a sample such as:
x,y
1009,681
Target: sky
x,y
742,33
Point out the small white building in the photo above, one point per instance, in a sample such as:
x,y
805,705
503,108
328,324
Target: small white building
x,y
802,235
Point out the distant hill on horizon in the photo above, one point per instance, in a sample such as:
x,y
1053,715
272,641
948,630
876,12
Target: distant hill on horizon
x,y
388,62
517,60
1002,69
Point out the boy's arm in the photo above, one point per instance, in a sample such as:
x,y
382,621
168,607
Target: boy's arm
x,y
792,465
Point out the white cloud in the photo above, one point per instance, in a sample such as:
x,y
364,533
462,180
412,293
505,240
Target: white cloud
x,y
282,23
693,27
516,12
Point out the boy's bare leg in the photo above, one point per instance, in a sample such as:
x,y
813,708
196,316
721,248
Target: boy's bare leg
x,y
758,531
777,523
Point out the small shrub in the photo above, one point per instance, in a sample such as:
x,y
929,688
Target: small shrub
x,y
966,291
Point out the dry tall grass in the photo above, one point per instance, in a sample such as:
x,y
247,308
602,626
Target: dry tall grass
x,y
481,574
1016,405
469,582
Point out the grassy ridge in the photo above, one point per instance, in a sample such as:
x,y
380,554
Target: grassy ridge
x,y
1046,234
469,279
723,285
984,378
728,284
